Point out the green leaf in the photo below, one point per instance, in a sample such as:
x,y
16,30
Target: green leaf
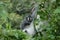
x,y
57,10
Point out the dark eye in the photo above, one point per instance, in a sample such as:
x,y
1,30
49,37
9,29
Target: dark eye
x,y
26,31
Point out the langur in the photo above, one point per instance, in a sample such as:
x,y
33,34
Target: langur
x,y
27,24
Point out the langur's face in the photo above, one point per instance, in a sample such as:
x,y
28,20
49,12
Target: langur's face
x,y
29,18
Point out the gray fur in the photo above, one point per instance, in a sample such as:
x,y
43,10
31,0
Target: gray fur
x,y
28,25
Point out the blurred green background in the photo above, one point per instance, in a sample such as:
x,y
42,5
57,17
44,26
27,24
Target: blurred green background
x,y
49,11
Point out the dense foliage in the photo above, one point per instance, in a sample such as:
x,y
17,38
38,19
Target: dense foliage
x,y
49,12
